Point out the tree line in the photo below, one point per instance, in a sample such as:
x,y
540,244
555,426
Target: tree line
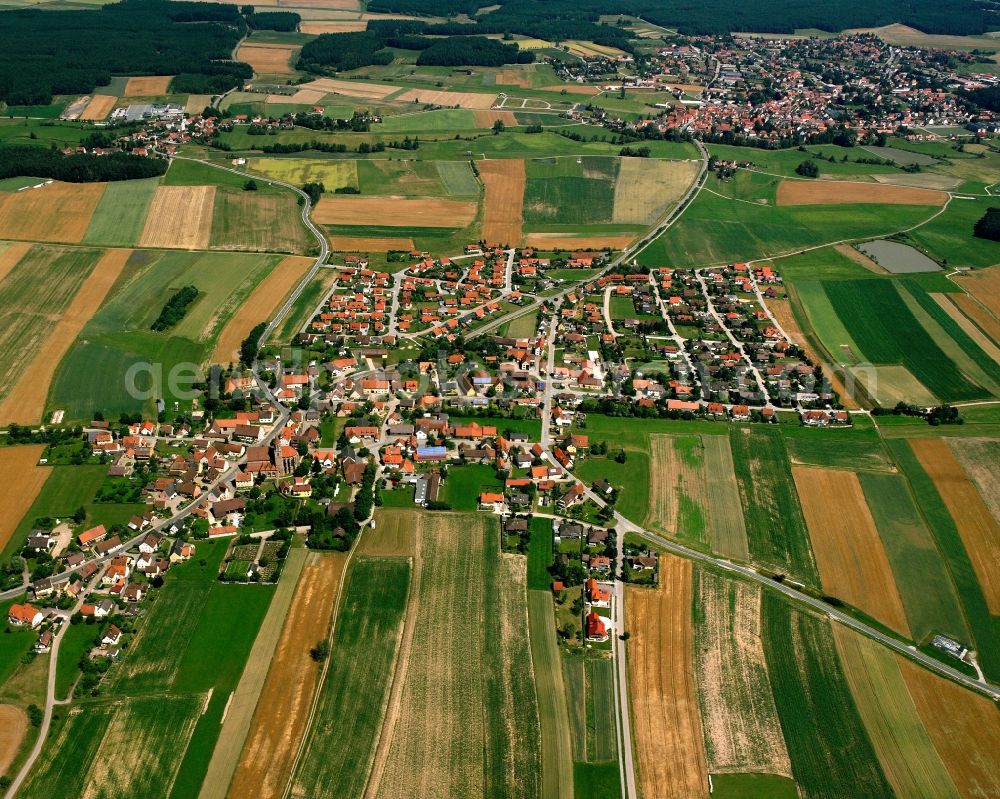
x,y
77,168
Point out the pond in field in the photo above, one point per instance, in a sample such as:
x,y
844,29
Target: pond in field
x,y
898,258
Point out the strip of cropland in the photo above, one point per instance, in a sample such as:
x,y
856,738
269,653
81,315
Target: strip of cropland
x,y
647,187
23,480
979,458
979,530
909,759
26,400
121,214
853,565
56,212
180,217
502,212
678,488
340,745
666,721
742,732
267,298
467,723
279,722
394,211
250,220
830,752
827,192
727,528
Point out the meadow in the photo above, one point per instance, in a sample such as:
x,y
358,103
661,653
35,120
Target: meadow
x,y
831,753
260,223
339,747
776,529
568,191
121,214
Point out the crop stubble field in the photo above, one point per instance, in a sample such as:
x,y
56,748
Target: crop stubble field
x,y
646,188
980,458
26,400
742,732
23,481
56,212
99,107
852,562
148,86
394,212
835,192
979,530
181,217
13,726
665,716
502,213
279,722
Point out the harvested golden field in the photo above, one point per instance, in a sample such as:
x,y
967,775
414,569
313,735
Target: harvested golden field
x,y
838,192
268,58
984,285
486,119
347,26
10,255
677,488
23,479
13,726
448,99
282,713
904,35
890,384
960,319
370,244
742,729
963,726
782,310
647,188
904,749
99,107
666,721
395,534
504,201
26,400
57,212
979,530
394,212
267,298
181,217
980,458
150,86
569,241
349,88
979,314
196,103
851,559
302,96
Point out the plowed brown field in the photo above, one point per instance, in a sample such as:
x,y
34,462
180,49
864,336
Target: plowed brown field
x,y
394,212
57,212
486,119
280,719
963,726
666,720
26,400
259,306
836,192
980,532
99,107
502,213
149,86
852,562
181,217
23,479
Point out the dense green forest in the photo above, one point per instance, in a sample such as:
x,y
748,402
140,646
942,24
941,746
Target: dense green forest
x,y
38,162
344,51
716,16
71,52
273,20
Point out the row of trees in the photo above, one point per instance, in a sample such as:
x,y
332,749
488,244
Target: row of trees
x,y
175,308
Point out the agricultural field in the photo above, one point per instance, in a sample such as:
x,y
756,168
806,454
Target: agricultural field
x,y
25,479
54,212
727,530
340,744
853,565
678,488
258,222
776,529
742,732
830,751
805,192
332,174
646,189
570,191
503,205
117,337
265,764
979,457
394,212
667,724
180,216
460,729
120,216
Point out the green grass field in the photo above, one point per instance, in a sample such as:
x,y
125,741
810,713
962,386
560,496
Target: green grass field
x,y
117,338
830,751
444,120
784,162
564,192
886,329
195,173
16,644
463,485
337,753
121,214
776,529
596,780
739,222
458,179
916,563
752,786
76,641
985,628
540,554
949,240
631,478
600,711
249,220
400,178
858,448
